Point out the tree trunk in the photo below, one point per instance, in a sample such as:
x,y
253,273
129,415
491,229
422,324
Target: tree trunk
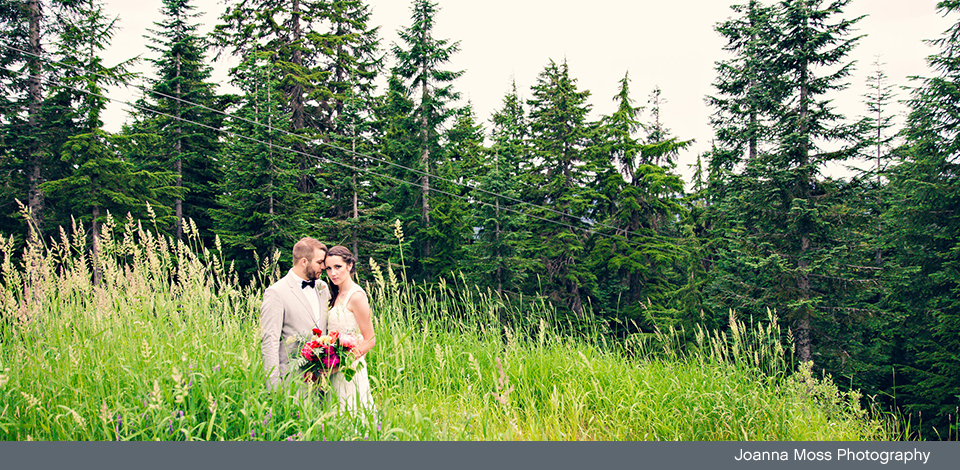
x,y
35,197
879,255
804,348
499,252
297,120
179,202
179,149
356,211
425,157
633,277
577,301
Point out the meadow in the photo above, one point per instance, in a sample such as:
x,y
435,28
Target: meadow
x,y
166,347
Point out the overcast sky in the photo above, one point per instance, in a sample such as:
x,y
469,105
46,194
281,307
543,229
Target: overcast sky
x,y
668,44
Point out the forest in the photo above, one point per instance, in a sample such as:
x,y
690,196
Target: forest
x,y
335,135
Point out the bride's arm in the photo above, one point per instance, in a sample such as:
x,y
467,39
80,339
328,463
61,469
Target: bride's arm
x,y
360,307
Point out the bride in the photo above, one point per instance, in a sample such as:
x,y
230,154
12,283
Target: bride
x,y
350,313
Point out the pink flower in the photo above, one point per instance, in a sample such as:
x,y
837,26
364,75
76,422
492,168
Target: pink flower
x,y
330,361
348,341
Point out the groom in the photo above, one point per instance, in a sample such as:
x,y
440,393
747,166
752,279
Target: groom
x,y
292,307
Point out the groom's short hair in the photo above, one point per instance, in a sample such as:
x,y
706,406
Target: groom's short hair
x,y
306,247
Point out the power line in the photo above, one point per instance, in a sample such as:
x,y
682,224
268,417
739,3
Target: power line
x,y
347,151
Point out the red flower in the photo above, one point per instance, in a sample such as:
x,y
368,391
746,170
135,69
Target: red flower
x,y
307,353
317,332
335,335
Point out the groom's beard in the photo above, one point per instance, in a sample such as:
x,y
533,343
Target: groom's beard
x,y
311,274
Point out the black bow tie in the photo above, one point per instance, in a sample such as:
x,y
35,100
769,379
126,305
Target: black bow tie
x,y
308,283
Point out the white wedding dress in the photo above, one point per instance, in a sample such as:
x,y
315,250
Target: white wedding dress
x,y
353,394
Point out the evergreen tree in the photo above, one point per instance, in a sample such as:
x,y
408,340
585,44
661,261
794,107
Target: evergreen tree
x,y
561,141
449,233
355,214
641,197
292,31
101,180
878,100
503,251
346,107
866,347
29,120
351,65
185,123
749,87
262,211
431,88
924,227
14,153
785,228
395,137
748,91
879,121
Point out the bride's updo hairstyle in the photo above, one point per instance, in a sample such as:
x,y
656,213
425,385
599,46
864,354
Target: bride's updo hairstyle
x,y
348,258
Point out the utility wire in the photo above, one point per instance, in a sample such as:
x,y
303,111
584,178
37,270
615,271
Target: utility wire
x,y
345,150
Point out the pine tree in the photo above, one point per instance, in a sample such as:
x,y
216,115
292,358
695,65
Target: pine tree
x,y
431,88
503,251
924,226
449,233
785,227
748,92
345,112
749,87
350,48
354,215
879,119
15,34
641,197
395,137
561,141
102,179
185,121
292,31
30,128
263,212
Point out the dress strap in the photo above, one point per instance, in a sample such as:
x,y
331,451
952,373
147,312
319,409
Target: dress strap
x,y
355,289
346,297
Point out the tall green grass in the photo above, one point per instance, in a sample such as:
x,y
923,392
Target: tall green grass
x,y
166,347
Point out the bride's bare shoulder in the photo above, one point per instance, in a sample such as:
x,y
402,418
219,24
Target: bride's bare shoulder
x,y
358,300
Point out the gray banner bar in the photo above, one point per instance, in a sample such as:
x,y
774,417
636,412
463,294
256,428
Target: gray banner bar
x,y
479,455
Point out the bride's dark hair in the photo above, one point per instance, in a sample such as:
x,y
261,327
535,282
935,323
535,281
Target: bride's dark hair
x,y
347,256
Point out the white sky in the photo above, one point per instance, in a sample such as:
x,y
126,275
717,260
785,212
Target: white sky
x,y
670,44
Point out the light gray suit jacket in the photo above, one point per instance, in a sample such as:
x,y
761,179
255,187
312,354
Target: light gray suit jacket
x,y
285,315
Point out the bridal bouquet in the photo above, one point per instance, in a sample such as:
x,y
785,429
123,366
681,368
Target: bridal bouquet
x,y
321,353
